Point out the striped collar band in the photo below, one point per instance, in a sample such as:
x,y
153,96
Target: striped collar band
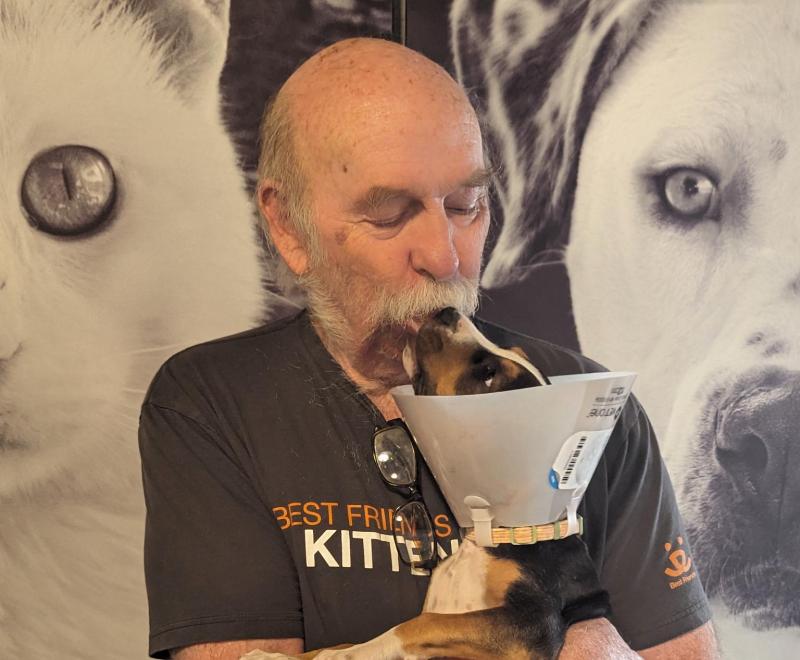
x,y
530,534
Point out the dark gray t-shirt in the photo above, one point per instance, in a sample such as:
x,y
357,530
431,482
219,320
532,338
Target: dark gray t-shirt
x,y
267,518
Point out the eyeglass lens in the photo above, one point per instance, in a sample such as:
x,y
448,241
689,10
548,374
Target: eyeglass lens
x,y
394,455
414,533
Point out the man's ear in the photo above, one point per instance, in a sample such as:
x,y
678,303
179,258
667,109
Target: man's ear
x,y
284,236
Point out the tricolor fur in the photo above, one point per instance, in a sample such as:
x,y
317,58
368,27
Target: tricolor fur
x,y
451,356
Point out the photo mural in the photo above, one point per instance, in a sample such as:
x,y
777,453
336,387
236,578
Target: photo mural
x,y
645,153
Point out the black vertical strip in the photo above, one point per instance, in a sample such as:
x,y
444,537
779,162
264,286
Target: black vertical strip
x,y
399,21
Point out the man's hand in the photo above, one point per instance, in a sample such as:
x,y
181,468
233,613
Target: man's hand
x,y
266,655
595,638
235,650
598,638
700,643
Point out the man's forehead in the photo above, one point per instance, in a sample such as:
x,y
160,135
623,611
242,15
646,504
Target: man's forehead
x,y
377,195
412,151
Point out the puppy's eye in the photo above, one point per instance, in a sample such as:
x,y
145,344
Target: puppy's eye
x,y
488,374
484,368
689,194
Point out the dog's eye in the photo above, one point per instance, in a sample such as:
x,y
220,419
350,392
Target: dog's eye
x,y
689,193
488,372
484,368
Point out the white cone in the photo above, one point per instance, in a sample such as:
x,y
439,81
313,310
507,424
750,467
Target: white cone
x,y
528,453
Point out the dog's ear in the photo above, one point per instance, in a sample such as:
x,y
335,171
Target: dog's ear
x,y
540,68
520,352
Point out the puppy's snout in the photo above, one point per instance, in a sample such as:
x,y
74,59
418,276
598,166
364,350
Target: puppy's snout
x,y
756,443
448,317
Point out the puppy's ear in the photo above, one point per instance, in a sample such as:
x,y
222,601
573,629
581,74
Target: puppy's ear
x,y
520,352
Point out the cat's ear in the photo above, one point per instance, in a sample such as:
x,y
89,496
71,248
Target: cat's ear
x,y
193,39
283,234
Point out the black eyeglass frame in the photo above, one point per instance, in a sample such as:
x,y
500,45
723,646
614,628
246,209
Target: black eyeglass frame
x,y
412,492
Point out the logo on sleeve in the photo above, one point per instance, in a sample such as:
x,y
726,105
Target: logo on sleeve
x,y
679,564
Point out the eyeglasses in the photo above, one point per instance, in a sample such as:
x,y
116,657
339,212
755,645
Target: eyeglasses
x,y
396,458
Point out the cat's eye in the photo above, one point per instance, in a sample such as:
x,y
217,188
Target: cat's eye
x,y
69,190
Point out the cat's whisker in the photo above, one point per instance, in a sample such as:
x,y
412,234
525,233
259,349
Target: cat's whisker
x,y
133,410
132,418
155,349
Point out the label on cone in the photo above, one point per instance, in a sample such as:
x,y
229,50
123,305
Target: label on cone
x,y
577,459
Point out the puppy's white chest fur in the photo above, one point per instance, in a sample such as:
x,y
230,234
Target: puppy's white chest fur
x,y
459,583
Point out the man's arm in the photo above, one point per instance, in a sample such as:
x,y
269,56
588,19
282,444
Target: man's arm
x,y
216,564
598,638
699,643
595,638
235,650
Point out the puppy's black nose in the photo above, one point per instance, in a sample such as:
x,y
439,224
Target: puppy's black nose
x,y
756,445
448,316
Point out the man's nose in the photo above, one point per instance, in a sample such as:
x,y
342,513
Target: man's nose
x,y
434,252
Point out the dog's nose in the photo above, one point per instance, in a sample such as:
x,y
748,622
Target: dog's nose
x,y
757,445
448,316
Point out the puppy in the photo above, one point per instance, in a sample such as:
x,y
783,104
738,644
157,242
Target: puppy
x,y
509,601
450,356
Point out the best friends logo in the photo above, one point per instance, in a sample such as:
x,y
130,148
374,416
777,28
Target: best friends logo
x,y
680,565
347,535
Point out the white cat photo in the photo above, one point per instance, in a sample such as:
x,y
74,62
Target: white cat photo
x,y
125,235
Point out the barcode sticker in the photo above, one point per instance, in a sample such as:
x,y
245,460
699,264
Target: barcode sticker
x,y
577,459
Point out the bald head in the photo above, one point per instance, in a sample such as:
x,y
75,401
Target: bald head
x,y
359,85
339,92
363,76
346,99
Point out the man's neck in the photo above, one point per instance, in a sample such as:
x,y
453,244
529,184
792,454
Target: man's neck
x,y
374,386
375,391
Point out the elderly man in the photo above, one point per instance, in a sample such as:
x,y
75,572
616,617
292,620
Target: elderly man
x,y
268,524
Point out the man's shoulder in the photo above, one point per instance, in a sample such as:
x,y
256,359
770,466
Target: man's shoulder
x,y
229,359
552,359
271,337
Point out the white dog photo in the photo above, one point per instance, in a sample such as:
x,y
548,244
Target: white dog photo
x,y
658,143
